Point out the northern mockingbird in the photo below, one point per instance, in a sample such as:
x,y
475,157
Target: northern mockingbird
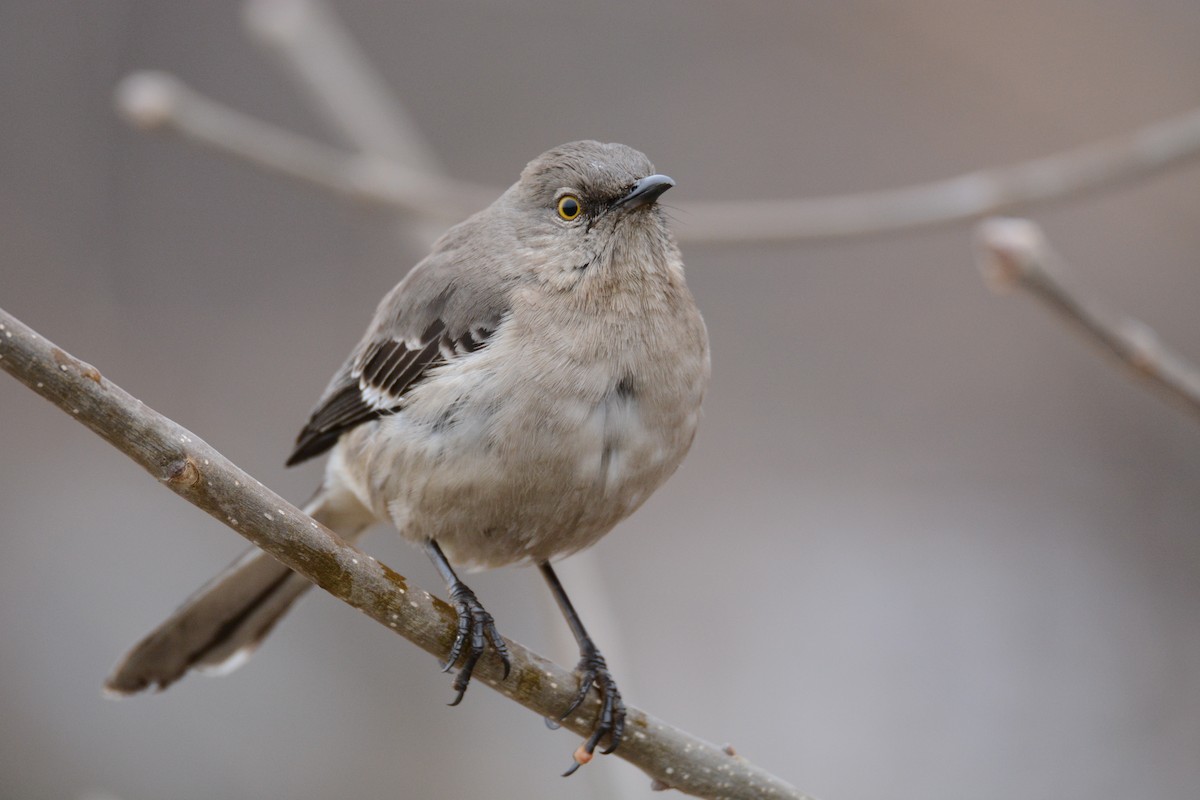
x,y
523,389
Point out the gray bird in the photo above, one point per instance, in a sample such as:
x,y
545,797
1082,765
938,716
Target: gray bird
x,y
521,391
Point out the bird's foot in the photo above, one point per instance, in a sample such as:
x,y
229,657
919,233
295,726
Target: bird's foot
x,y
475,629
593,671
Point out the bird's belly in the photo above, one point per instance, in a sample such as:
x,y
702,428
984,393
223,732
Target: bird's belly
x,y
497,485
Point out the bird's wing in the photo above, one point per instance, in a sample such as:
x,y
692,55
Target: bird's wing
x,y
439,312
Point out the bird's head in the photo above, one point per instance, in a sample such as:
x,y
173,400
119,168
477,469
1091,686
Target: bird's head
x,y
589,206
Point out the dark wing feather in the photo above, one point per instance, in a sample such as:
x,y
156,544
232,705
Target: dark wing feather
x,y
447,307
377,381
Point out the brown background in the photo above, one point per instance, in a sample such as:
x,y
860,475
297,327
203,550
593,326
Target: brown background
x,y
928,545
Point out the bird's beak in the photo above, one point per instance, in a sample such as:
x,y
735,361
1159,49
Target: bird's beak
x,y
645,191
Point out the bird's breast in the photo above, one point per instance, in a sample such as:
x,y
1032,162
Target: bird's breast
x,y
539,443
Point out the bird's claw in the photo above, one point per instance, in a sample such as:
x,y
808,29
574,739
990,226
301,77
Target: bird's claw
x,y
593,671
475,629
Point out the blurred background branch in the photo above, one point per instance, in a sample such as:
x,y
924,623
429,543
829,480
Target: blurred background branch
x,y
159,102
343,87
395,166
1014,253
156,101
1086,168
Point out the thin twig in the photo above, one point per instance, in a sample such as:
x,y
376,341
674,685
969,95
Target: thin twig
x,y
1140,154
318,51
322,58
1015,253
1097,165
159,101
202,476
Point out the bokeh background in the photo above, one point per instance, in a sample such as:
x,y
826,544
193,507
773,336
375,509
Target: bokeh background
x,y
928,544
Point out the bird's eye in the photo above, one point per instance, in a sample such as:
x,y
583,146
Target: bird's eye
x,y
569,207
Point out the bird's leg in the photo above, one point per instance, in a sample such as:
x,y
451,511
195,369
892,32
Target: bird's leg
x,y
475,626
593,671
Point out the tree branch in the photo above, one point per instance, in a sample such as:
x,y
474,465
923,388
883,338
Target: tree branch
x,y
1015,253
1097,165
198,473
322,56
156,101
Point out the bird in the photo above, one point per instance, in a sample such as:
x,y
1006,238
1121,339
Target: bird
x,y
524,388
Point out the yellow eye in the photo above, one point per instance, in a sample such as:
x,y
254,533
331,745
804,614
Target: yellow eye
x,y
569,207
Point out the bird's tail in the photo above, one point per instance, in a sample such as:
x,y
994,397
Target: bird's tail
x,y
220,626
